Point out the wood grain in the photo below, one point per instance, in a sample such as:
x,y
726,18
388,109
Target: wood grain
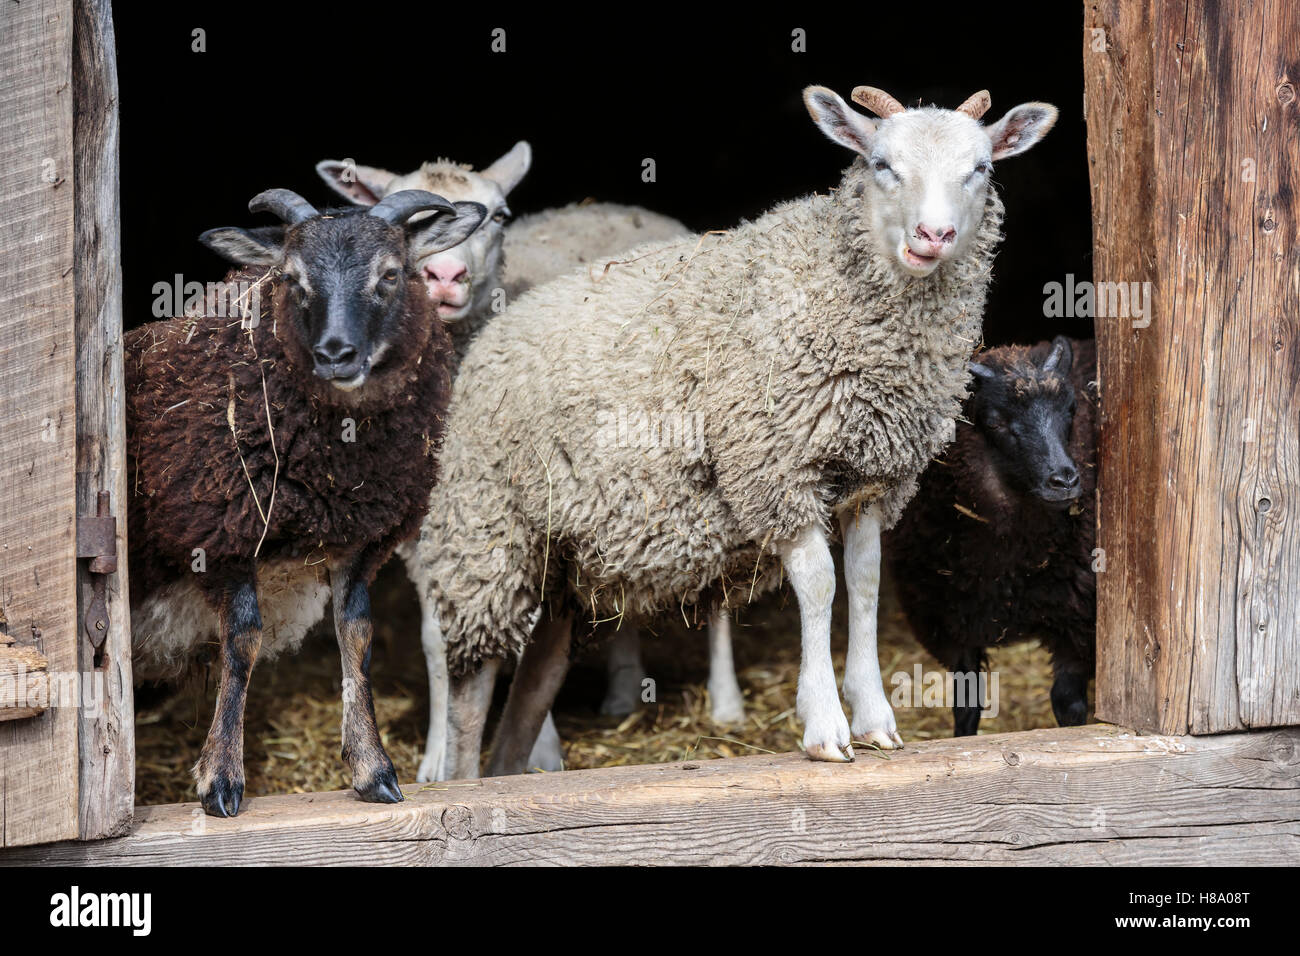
x,y
1194,147
1082,795
24,682
107,732
38,756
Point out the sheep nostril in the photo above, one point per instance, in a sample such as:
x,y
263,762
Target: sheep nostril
x,y
1065,479
334,352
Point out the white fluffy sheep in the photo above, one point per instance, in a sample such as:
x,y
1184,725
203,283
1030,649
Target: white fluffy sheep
x,y
822,348
470,283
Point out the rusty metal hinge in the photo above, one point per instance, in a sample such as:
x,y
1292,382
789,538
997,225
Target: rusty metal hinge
x,y
97,540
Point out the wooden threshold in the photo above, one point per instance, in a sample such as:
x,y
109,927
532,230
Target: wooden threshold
x,y
1083,795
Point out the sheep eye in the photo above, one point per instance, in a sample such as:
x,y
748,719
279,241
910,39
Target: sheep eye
x,y
880,166
391,275
501,215
983,168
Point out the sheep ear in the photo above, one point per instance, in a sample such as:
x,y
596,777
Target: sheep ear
x,y
841,124
1021,128
1061,357
512,167
982,372
363,185
263,246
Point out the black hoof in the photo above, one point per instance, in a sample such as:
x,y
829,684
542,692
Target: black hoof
x,y
222,798
1072,713
383,789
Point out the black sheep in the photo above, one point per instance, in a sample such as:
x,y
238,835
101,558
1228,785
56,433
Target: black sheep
x,y
997,546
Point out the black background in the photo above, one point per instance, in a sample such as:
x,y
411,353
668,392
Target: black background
x,y
713,98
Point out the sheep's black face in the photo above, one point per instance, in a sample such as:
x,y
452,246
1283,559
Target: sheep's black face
x,y
1025,412
346,275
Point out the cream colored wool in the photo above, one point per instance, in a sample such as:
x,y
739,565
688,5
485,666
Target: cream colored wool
x,y
821,377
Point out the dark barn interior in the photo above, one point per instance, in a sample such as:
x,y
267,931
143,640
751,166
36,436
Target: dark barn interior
x,y
714,100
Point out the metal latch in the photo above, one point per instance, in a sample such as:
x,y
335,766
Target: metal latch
x,y
97,540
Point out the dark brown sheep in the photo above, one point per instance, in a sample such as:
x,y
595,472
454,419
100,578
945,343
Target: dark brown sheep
x,y
997,546
242,527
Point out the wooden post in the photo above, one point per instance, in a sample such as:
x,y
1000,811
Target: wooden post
x,y
107,733
38,755
1194,150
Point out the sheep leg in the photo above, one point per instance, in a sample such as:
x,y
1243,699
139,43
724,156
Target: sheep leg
x,y
373,776
220,769
873,718
434,765
724,690
624,670
1070,675
965,716
467,710
537,680
811,570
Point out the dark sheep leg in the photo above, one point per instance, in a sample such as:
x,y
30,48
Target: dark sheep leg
x,y
1070,676
966,718
537,680
373,776
220,770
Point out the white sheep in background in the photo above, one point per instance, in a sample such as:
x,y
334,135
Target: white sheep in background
x,y
824,347
467,282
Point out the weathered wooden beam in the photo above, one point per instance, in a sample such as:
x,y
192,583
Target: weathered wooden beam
x,y
1077,795
107,732
38,756
24,681
1192,115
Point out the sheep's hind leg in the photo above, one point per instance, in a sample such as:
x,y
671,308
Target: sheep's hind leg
x,y
724,690
873,718
625,671
537,680
1070,675
966,676
220,770
373,776
811,570
434,765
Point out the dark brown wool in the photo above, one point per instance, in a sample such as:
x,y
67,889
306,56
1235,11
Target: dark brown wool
x,y
977,564
187,379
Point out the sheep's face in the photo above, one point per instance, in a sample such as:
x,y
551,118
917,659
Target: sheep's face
x,y
344,276
1025,411
461,279
346,279
927,175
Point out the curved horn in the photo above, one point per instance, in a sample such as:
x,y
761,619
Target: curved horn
x,y
878,101
977,105
285,203
396,208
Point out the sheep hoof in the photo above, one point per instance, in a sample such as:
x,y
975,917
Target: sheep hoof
x,y
431,769
222,797
383,789
831,753
884,739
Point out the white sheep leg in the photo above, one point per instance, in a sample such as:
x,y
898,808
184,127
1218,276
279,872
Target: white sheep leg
x,y
624,671
548,752
467,710
873,719
811,570
724,690
434,765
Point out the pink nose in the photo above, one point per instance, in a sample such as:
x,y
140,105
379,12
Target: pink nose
x,y
936,237
446,273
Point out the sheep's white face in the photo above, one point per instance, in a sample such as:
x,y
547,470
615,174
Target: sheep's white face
x,y
928,172
460,279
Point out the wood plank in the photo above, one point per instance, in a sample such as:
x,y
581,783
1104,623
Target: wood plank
x,y
1192,118
38,756
24,682
107,732
1082,795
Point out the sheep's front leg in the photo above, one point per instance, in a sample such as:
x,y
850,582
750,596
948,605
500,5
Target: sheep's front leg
x,y
220,770
467,710
873,718
811,571
373,776
624,671
434,765
724,690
